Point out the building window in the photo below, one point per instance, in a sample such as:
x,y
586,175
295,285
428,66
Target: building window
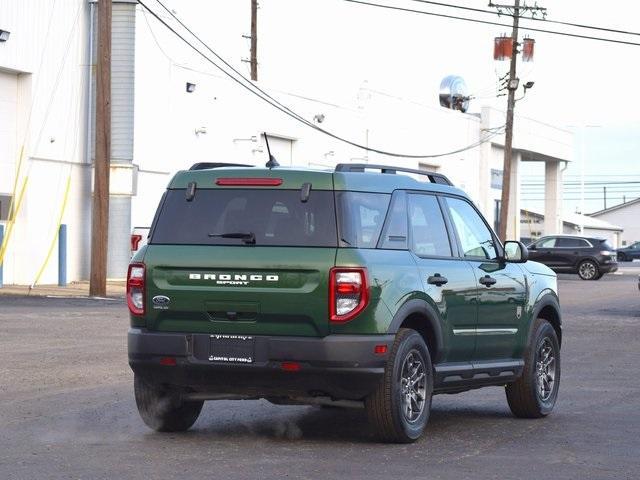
x,y
496,179
5,202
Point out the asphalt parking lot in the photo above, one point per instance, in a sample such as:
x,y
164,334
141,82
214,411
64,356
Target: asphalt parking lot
x,y
67,409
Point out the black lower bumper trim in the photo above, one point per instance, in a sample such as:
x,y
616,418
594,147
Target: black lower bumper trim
x,y
340,366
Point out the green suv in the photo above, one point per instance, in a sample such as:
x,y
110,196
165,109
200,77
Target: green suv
x,y
358,287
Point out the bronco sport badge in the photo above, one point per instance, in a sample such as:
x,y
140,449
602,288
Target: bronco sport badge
x,y
233,279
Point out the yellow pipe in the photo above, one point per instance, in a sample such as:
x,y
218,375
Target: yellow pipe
x,y
55,236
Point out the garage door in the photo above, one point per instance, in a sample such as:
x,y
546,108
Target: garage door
x,y
8,126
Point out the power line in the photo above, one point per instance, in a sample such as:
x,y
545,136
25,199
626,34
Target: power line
x,y
545,20
257,91
487,22
572,183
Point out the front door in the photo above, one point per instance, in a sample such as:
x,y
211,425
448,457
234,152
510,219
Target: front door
x,y
447,280
501,286
544,251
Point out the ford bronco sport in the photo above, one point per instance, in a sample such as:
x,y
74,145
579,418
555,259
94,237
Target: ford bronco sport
x,y
361,286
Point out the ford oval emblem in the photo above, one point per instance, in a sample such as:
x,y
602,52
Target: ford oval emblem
x,y
161,300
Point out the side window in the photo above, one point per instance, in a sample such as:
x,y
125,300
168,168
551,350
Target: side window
x,y
547,243
361,216
428,231
394,235
475,237
583,243
564,242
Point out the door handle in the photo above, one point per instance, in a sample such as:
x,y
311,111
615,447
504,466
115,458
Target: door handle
x,y
487,281
437,279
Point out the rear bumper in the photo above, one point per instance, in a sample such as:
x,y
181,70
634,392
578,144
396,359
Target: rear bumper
x,y
339,366
609,267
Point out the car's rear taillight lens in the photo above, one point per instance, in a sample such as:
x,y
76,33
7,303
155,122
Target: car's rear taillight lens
x,y
135,288
348,293
135,241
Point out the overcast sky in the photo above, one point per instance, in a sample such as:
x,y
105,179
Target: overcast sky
x,y
327,49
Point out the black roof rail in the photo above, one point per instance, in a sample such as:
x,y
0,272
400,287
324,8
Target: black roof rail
x,y
362,167
208,165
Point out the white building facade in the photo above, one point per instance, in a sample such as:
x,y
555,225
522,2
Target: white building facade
x,y
159,128
627,215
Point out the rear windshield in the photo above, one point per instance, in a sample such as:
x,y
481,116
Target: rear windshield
x,y
606,245
247,217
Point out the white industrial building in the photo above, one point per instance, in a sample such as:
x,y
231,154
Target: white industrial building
x,y
627,215
47,80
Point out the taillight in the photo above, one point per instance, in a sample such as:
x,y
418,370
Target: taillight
x,y
135,288
348,293
135,241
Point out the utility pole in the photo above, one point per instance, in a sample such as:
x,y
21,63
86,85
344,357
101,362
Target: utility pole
x,y
100,210
512,86
254,40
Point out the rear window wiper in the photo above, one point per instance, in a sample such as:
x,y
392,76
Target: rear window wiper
x,y
248,237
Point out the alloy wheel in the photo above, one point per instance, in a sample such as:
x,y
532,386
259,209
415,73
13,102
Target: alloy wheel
x,y
545,369
413,386
587,270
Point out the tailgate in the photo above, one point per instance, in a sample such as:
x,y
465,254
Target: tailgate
x,y
238,289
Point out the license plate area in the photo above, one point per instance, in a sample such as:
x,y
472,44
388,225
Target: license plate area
x,y
231,348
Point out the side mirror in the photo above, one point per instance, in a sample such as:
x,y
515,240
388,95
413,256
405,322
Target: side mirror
x,y
515,252
532,246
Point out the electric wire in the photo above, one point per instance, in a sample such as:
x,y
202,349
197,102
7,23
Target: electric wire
x,y
287,109
257,91
487,22
545,20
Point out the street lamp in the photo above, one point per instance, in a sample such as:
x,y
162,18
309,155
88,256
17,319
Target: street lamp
x,y
4,35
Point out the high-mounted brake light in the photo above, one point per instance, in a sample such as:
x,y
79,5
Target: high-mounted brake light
x,y
348,293
250,182
135,288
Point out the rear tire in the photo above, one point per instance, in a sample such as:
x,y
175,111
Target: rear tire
x,y
162,409
535,393
588,270
399,408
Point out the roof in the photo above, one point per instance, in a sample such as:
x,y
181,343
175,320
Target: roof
x,y
615,207
294,178
578,220
566,235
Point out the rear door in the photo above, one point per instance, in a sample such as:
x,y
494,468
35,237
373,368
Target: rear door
x,y
568,251
241,261
448,280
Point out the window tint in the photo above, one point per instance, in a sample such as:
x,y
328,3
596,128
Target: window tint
x,y
361,216
428,232
547,243
566,242
606,245
275,217
475,237
394,236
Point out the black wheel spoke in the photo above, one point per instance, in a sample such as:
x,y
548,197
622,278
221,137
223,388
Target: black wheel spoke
x,y
413,383
545,368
